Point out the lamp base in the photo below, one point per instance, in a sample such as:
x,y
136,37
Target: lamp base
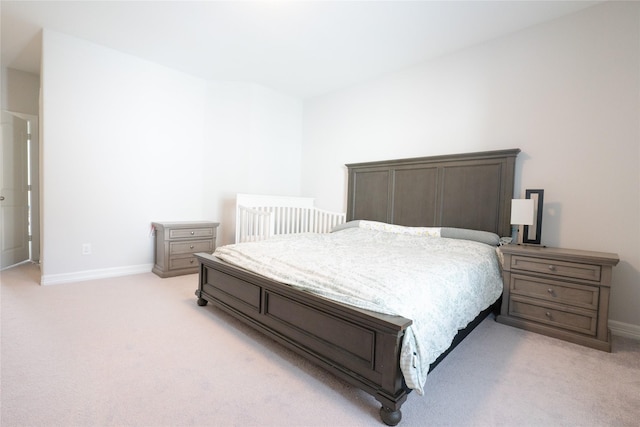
x,y
521,239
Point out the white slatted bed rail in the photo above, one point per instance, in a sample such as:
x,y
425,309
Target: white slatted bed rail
x,y
259,217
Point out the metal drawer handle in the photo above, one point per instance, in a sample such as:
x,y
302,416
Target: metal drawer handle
x,y
193,232
552,267
191,247
192,261
550,291
548,314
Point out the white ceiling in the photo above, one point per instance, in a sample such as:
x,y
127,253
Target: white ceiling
x,y
302,48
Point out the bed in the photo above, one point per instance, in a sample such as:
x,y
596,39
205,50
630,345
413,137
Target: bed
x,y
363,346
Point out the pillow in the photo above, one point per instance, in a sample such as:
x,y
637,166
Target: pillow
x,y
344,225
485,237
394,228
476,235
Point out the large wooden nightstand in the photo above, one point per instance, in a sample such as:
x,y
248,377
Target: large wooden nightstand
x,y
176,242
562,293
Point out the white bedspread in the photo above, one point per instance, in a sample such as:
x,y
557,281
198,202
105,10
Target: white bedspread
x,y
439,283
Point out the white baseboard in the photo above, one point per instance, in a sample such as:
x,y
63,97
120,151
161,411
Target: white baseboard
x,y
80,276
626,330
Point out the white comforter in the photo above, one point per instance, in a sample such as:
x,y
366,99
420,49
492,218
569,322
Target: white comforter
x,y
439,283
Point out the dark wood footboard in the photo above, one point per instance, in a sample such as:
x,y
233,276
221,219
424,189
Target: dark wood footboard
x,y
358,346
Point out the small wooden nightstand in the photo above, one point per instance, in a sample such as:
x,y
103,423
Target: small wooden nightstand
x,y
176,242
562,293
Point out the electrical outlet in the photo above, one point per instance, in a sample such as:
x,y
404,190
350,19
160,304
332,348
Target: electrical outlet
x,y
86,249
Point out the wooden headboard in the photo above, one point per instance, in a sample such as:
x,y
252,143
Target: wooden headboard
x,y
472,190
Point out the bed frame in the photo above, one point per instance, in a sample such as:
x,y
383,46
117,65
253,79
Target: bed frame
x,y
362,347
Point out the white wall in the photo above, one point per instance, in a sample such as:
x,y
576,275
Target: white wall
x,y
254,146
127,142
566,93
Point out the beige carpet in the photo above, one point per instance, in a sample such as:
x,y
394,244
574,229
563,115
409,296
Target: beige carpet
x,y
138,351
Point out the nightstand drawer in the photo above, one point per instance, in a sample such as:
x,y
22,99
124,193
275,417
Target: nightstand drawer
x,y
584,296
578,320
182,233
176,263
190,247
557,268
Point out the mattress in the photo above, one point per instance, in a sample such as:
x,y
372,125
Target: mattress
x,y
440,283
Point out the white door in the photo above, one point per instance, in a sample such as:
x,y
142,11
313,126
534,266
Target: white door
x,y
14,192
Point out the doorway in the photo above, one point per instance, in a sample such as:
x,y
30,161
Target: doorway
x,y
19,190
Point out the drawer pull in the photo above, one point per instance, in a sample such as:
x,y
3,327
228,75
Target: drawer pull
x,y
548,314
193,232
191,246
550,291
552,267
192,261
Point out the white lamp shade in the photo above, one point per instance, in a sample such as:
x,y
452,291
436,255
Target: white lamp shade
x,y
522,211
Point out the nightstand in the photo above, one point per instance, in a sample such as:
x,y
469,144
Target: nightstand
x,y
562,293
176,242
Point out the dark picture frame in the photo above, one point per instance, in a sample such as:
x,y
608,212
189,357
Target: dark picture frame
x,y
533,234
